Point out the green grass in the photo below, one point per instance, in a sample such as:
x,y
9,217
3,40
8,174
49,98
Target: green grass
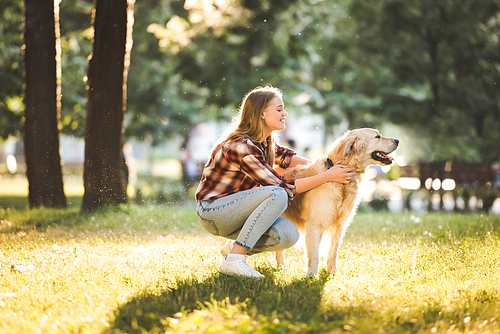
x,y
21,202
153,269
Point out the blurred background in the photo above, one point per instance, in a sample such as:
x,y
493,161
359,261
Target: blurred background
x,y
423,71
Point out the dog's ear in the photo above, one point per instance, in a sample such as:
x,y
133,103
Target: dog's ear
x,y
353,144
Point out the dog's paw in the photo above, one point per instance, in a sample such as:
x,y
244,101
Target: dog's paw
x,y
312,273
332,271
324,275
280,260
281,266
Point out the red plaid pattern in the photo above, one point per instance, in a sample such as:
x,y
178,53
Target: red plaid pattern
x,y
240,165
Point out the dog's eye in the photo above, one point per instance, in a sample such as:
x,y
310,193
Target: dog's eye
x,y
377,136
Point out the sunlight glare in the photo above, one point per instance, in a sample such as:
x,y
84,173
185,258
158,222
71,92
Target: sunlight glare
x,y
367,189
448,184
410,183
400,161
370,174
436,184
301,99
11,163
385,169
428,183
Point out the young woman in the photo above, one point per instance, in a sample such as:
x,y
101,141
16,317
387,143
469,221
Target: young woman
x,y
240,195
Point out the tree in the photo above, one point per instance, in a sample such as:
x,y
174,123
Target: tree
x,y
428,66
105,177
42,99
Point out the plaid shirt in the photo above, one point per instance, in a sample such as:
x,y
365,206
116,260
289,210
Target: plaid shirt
x,y
239,165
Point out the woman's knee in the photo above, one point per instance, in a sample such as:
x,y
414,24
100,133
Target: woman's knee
x,y
280,196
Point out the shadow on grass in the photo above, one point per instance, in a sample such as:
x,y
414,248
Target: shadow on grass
x,y
222,303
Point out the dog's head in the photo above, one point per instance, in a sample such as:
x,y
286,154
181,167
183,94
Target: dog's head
x,y
363,147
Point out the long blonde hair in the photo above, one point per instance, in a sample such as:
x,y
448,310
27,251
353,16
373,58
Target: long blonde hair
x,y
249,123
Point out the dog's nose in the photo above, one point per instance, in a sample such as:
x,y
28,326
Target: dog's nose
x,y
396,141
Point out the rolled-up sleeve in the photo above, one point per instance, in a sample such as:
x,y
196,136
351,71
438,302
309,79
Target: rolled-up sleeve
x,y
263,174
283,156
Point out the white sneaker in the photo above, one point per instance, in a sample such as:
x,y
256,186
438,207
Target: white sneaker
x,y
227,248
239,268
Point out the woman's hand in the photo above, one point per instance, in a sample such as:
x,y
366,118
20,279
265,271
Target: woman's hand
x,y
340,174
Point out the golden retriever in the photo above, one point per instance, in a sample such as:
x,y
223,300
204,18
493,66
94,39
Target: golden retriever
x,y
330,207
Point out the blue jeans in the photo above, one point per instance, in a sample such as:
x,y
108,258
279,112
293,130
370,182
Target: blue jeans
x,y
252,218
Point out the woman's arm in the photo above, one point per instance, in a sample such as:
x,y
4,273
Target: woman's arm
x,y
298,160
338,173
294,161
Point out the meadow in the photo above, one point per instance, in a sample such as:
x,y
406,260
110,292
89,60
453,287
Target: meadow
x,y
153,269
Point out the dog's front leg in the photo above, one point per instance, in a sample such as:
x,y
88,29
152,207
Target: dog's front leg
x,y
280,259
331,263
313,240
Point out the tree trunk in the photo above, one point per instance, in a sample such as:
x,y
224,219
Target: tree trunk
x,y
42,96
104,175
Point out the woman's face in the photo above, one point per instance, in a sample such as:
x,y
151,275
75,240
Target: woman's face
x,y
274,116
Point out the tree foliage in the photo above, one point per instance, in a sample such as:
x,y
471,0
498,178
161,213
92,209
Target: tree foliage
x,y
198,60
433,66
76,46
11,68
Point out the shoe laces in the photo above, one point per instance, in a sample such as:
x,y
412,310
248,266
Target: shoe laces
x,y
248,269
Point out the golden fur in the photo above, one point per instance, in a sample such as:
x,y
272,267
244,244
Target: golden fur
x,y
330,207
